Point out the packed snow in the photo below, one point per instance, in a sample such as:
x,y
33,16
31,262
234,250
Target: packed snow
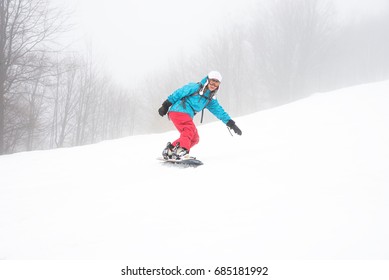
x,y
306,180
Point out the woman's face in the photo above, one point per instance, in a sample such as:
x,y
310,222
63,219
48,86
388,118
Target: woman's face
x,y
213,84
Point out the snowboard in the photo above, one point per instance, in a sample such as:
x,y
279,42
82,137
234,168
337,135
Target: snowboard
x,y
188,162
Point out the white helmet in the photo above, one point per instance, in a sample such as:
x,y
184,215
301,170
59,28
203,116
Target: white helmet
x,y
215,75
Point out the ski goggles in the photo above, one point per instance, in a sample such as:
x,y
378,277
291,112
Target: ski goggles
x,y
214,82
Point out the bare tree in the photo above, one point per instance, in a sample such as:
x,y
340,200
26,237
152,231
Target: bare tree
x,y
63,101
26,26
87,88
35,103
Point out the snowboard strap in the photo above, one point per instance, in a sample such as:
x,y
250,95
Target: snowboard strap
x,y
209,98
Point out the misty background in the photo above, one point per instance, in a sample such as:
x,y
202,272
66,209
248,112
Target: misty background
x,y
79,72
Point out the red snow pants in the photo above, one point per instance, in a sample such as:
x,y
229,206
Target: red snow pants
x,y
187,129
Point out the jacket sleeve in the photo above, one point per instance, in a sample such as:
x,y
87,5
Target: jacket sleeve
x,y
216,109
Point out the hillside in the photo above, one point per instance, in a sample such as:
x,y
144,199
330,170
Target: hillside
x,y
307,180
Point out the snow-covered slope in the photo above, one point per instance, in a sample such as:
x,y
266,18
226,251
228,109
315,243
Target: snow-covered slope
x,y
307,180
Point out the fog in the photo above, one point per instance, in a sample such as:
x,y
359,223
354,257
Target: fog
x,y
136,38
354,10
270,52
119,60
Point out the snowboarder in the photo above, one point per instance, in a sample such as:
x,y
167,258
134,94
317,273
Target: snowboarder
x,y
183,104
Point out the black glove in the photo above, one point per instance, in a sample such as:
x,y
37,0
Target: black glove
x,y
164,108
231,124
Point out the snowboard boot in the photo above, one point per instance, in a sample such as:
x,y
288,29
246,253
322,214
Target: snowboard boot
x,y
180,153
167,153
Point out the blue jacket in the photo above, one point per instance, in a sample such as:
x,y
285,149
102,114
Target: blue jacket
x,y
183,101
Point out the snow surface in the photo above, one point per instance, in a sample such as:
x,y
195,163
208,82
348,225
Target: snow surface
x,y
307,180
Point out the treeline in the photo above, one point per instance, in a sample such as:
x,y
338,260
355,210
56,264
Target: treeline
x,y
287,51
51,98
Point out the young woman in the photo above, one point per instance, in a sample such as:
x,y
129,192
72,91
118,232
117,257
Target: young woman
x,y
183,104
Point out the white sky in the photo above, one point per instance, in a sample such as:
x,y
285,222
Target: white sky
x,y
355,8
135,37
